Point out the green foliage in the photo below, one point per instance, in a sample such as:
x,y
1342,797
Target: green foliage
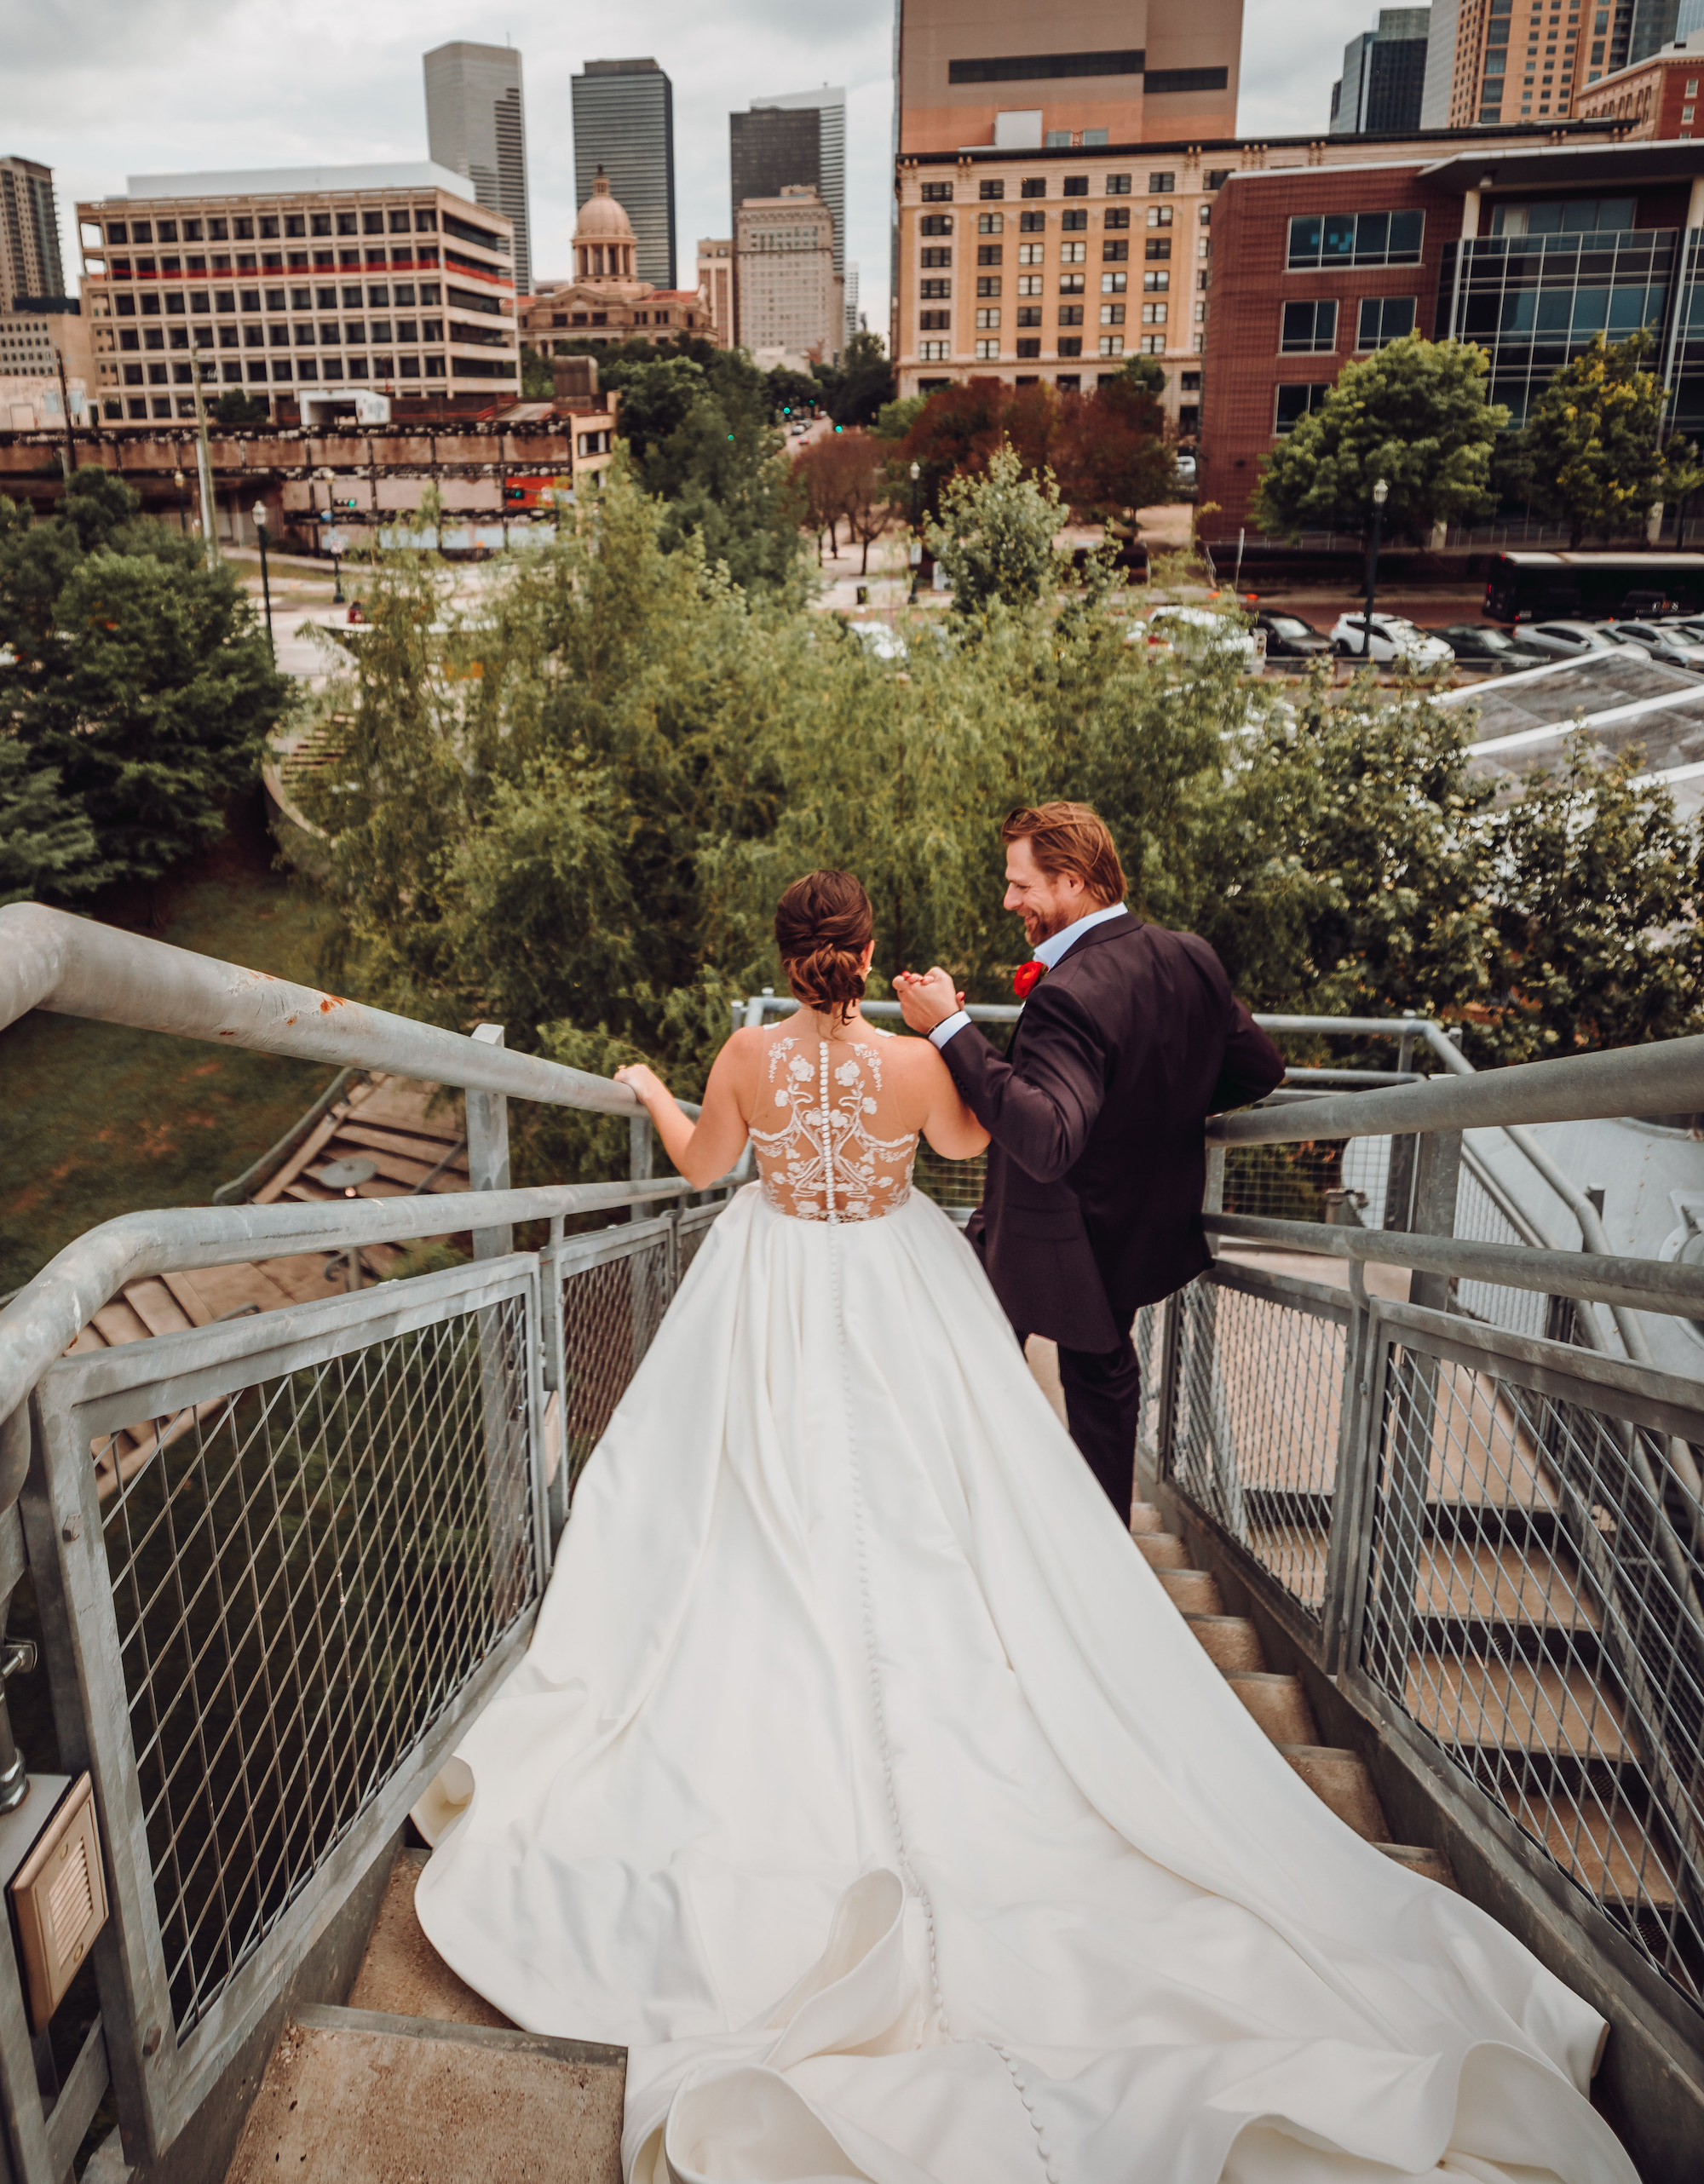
x,y
142,686
536,382
1592,453
1146,372
1107,452
856,390
701,440
791,391
995,536
893,420
47,845
1413,414
235,407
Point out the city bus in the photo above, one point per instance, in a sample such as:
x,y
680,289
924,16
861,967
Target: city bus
x,y
1534,587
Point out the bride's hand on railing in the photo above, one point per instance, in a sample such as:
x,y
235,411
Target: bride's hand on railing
x,y
646,1085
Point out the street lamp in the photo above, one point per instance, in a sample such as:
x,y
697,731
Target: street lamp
x,y
266,589
1381,493
916,535
333,540
182,482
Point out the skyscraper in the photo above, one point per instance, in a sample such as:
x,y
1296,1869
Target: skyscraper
x,y
1383,75
827,107
475,126
624,122
30,262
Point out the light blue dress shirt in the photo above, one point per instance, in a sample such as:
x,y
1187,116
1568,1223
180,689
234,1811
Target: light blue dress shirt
x,y
1047,951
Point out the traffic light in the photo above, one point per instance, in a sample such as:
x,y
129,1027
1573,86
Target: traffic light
x,y
514,492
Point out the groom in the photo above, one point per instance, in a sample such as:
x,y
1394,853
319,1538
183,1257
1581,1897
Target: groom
x,y
1130,1038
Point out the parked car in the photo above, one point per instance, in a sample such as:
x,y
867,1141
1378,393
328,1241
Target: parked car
x,y
1288,637
1185,470
1667,641
1475,646
1394,638
1571,640
1199,629
880,639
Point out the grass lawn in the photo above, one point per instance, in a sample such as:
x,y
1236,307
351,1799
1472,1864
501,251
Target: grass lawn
x,y
101,1120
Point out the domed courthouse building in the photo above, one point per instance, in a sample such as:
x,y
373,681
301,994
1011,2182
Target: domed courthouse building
x,y
605,301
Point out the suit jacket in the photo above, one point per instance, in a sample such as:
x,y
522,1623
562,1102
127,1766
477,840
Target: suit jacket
x,y
1093,1201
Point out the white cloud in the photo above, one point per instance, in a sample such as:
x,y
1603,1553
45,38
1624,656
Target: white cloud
x,y
124,87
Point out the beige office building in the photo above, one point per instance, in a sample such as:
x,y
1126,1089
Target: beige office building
x,y
716,285
1083,76
316,284
789,302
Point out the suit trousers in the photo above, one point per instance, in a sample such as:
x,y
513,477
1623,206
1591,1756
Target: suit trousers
x,y
1102,1403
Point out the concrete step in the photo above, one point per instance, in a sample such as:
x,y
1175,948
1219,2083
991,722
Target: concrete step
x,y
1277,1704
1196,1592
1429,1864
1230,1641
1163,1551
1339,1778
402,1974
355,2096
1514,1706
1144,1517
1606,1848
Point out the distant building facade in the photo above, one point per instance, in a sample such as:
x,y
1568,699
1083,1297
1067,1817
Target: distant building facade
x,y
1084,75
607,301
30,264
789,304
625,123
1383,75
1491,63
716,285
1656,97
380,279
32,345
476,126
828,105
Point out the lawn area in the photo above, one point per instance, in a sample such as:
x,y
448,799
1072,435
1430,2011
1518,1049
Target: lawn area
x,y
101,1120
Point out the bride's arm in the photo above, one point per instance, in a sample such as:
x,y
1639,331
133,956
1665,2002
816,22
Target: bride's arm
x,y
703,1152
952,1129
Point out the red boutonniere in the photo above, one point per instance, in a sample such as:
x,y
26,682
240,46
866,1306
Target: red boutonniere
x,y
1027,976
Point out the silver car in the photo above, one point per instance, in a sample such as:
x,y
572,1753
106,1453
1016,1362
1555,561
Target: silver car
x,y
1673,642
1570,640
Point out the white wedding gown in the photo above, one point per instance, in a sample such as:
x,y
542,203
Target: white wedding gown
x,y
862,1779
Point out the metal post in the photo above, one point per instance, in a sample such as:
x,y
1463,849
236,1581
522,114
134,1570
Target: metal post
x,y
204,471
488,1151
508,1468
70,457
266,587
1380,493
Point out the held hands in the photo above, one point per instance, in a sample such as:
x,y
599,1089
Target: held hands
x,y
927,998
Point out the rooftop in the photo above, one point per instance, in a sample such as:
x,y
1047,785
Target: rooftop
x,y
303,181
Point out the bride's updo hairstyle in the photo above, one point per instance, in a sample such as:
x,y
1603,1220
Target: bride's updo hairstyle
x,y
823,924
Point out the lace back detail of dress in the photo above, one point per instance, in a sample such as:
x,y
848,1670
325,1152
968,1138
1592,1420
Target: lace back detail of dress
x,y
836,1152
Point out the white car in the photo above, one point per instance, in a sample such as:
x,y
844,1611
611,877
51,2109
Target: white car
x,y
1394,638
881,641
1185,469
1199,629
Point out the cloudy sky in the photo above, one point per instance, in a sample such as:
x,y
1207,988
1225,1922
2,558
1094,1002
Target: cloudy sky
x,y
103,89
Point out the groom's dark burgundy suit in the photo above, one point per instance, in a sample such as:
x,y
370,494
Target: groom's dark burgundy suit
x,y
1093,1200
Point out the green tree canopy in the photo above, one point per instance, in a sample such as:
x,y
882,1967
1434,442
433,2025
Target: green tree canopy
x,y
855,391
995,536
1413,414
1593,453
139,684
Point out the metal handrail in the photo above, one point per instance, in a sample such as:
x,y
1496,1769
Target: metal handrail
x,y
72,967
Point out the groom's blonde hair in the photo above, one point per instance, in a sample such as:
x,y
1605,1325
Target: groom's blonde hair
x,y
1070,838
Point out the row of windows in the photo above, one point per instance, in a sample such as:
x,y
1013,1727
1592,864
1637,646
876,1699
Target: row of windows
x,y
1027,346
1069,315
1311,328
278,335
1159,184
195,265
1155,284
1355,238
352,295
246,228
1114,252
334,369
1071,221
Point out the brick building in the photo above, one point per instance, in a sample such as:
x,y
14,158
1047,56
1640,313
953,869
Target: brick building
x,y
607,301
1655,98
1528,250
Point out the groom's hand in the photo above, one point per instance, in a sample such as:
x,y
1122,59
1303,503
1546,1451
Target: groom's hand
x,y
927,999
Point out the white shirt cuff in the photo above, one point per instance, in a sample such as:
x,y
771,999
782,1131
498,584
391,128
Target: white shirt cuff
x,y
950,1027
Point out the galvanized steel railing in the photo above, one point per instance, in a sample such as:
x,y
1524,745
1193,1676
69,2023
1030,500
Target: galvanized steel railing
x,y
343,1514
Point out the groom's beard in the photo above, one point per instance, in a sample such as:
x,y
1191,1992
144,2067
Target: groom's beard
x,y
1039,925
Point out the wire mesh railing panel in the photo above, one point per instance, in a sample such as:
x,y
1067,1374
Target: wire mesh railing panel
x,y
303,1581
1536,1615
1147,1335
1255,1436
611,1309
956,1186
1480,1220
1297,1181
695,1226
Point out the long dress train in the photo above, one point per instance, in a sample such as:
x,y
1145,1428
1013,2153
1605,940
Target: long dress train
x,y
862,1779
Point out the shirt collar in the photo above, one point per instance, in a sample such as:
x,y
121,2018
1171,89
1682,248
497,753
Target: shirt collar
x,y
1051,949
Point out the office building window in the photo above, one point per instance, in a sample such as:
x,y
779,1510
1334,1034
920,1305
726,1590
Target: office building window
x,y
1115,250
1153,315
935,257
937,192
1118,185
987,189
1030,347
1029,314
935,321
1074,219
1309,328
931,291
1152,345
1070,284
1070,345
988,320
1112,344
1030,254
933,352
1032,186
1295,403
990,254
1155,284
1158,184
1070,315
1116,215
1073,254
1112,314
1160,216
991,223
1113,284
1355,238
1076,186
985,351
935,223
1031,223
1384,318
1028,285
987,284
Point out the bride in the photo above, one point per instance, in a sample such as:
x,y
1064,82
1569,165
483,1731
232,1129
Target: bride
x,y
862,1781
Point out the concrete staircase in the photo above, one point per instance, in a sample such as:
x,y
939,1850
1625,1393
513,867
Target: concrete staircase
x,y
1278,1703
418,2080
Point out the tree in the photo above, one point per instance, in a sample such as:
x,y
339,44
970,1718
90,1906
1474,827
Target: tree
x,y
1592,453
47,845
995,536
141,684
854,391
864,500
1114,456
235,407
791,393
1413,414
538,382
893,420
